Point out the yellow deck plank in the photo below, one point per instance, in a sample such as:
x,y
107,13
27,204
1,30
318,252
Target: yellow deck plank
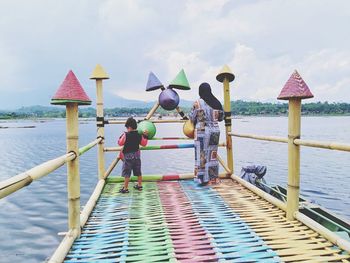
x,y
292,240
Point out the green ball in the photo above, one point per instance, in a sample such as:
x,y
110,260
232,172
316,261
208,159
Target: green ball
x,y
149,126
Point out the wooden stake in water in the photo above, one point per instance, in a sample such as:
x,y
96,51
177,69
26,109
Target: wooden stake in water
x,y
99,75
225,76
294,90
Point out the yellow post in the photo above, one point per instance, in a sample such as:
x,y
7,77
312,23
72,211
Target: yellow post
x,y
73,179
294,117
294,90
99,74
225,76
72,94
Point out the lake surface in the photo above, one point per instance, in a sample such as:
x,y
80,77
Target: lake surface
x,y
31,218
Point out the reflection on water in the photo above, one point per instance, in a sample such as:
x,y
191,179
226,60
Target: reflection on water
x,y
31,218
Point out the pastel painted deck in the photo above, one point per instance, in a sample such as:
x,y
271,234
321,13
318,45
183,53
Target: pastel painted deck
x,y
179,221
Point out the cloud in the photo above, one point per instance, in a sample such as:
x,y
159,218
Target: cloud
x,y
262,40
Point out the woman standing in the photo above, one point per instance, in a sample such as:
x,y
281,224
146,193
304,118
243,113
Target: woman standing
x,y
205,115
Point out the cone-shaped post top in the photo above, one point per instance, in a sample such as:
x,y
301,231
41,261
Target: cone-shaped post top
x,y
295,87
153,83
99,73
70,91
180,81
225,73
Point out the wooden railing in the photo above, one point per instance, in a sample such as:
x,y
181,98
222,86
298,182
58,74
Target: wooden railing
x,y
21,180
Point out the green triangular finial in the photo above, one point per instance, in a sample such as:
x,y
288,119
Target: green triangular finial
x,y
99,73
225,73
180,81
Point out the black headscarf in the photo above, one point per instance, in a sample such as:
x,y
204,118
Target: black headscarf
x,y
206,95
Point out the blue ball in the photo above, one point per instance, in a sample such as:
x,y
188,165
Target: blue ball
x,y
169,99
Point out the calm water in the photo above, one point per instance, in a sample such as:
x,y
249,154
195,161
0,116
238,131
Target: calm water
x,y
31,218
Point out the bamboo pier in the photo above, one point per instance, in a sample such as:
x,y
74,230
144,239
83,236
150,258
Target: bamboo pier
x,y
173,219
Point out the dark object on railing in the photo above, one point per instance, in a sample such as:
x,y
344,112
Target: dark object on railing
x,y
254,174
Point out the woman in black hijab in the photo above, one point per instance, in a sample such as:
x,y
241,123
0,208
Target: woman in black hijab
x,y
205,115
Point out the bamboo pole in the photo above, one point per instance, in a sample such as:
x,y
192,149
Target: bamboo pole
x,y
158,177
152,120
111,167
228,125
91,202
170,138
294,117
24,179
73,178
182,114
100,128
325,145
87,147
21,180
159,147
273,200
332,237
152,111
221,161
260,137
64,247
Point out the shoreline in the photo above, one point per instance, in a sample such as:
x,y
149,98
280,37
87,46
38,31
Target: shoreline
x,y
45,119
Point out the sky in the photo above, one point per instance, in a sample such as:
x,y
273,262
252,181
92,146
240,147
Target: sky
x,y
262,41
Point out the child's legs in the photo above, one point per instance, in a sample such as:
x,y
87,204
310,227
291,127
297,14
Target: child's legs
x,y
126,172
139,180
126,182
137,171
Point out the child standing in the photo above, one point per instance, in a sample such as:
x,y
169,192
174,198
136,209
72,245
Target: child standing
x,y
131,153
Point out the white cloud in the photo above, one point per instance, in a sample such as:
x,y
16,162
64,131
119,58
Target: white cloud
x,y
262,40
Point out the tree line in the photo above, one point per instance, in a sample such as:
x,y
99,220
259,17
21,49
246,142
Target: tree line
x,y
239,107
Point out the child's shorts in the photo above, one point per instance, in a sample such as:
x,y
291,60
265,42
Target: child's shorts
x,y
132,162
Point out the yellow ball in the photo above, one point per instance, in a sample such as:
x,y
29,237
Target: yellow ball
x,y
188,129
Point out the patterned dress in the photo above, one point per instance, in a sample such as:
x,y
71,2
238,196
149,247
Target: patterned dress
x,y
207,134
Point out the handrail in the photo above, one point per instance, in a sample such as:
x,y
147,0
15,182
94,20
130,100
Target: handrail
x,y
154,121
259,137
87,147
309,143
159,147
21,180
324,145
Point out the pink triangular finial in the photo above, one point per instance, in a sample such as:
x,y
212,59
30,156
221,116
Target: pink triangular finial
x,y
295,87
71,91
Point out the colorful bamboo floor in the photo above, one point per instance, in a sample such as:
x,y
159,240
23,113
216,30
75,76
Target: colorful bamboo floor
x,y
178,221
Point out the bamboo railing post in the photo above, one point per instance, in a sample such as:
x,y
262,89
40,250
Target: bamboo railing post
x,y
294,117
99,75
71,94
294,90
225,76
73,178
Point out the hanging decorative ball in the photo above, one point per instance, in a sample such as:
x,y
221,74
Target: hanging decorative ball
x,y
169,99
149,126
188,129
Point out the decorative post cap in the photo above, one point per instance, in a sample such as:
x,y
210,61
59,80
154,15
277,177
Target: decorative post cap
x,y
99,73
153,82
225,73
295,87
70,91
180,81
